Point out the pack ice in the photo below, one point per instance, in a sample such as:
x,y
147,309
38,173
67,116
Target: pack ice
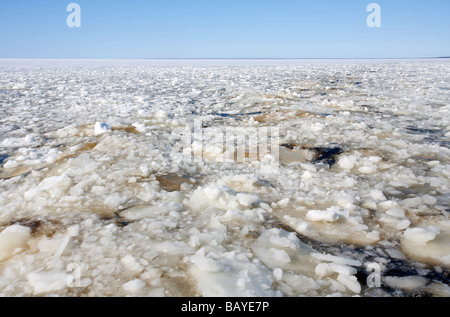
x,y
113,180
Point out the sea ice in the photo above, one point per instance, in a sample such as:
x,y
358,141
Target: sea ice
x,y
12,238
113,165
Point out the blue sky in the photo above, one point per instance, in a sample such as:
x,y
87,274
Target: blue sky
x,y
224,29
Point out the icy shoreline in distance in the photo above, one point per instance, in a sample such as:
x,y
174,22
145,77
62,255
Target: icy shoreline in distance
x,y
57,63
97,197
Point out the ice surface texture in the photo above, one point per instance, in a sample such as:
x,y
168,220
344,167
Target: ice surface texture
x,y
99,196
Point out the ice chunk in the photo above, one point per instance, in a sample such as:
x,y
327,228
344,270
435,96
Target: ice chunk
x,y
429,200
351,282
47,282
62,247
283,203
279,256
101,128
248,200
409,283
134,286
10,164
56,186
231,275
421,235
162,116
347,162
336,259
278,274
278,248
375,159
307,175
326,269
377,195
367,169
395,254
205,263
298,224
396,212
172,247
430,244
52,156
131,264
373,235
412,202
220,197
385,205
12,238
323,215
300,283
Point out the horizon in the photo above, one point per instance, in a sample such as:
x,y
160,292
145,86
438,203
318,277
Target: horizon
x,y
233,58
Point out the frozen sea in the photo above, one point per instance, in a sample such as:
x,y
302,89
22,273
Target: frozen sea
x,y
225,178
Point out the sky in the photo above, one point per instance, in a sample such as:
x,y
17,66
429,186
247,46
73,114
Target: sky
x,y
134,29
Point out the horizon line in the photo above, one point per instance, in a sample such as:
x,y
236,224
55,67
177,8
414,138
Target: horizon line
x,y
219,58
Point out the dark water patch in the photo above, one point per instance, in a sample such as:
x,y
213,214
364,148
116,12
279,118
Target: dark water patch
x,y
431,136
436,105
327,155
371,254
445,144
416,130
223,115
400,268
3,157
117,220
33,224
38,226
237,115
290,146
